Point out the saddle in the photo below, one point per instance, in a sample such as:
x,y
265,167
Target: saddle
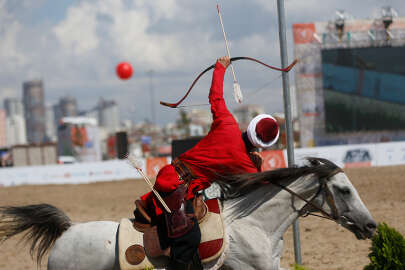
x,y
139,245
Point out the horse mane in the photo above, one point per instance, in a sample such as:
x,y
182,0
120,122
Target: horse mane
x,y
234,186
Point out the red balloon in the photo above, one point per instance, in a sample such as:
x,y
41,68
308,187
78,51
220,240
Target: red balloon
x,y
124,70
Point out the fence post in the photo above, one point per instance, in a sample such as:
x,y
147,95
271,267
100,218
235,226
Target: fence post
x,y
288,114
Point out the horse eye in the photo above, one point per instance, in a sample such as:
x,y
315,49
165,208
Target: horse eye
x,y
344,191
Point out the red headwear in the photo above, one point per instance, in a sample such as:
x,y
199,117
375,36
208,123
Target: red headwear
x,y
167,179
263,131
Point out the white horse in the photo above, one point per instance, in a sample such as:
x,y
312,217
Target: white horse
x,y
257,211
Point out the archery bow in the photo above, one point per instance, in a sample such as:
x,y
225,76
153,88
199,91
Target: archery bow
x,y
175,105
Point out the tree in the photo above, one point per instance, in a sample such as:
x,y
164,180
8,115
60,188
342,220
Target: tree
x,y
183,123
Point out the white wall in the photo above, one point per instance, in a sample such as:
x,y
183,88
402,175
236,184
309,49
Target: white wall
x,y
357,155
68,173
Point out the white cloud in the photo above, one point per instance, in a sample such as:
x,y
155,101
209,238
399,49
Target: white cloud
x,y
77,33
128,32
9,30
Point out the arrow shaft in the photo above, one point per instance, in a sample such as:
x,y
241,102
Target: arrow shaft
x,y
131,160
154,190
226,42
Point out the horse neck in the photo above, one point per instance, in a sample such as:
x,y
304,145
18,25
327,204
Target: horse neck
x,y
271,208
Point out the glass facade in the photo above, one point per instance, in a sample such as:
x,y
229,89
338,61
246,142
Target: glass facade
x,y
364,89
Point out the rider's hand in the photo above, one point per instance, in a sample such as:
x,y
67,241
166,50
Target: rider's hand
x,y
224,61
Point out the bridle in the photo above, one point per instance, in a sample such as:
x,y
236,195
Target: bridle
x,y
304,212
175,105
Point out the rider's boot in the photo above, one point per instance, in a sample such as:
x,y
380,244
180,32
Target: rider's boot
x,y
195,264
179,265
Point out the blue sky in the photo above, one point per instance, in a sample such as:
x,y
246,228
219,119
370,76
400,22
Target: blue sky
x,y
74,47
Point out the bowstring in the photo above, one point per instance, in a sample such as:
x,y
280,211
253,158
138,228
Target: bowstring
x,y
258,90
255,92
193,105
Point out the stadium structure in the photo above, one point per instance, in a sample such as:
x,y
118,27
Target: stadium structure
x,y
350,81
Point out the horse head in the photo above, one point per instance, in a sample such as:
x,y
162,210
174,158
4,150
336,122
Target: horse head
x,y
320,186
337,199
349,210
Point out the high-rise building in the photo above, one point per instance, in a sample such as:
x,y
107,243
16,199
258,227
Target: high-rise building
x,y
68,106
57,114
34,110
108,115
16,133
15,130
3,141
50,127
13,106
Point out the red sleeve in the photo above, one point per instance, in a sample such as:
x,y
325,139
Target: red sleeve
x,y
147,197
216,96
152,204
197,185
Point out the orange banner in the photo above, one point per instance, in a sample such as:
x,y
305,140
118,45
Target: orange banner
x,y
303,32
273,159
153,165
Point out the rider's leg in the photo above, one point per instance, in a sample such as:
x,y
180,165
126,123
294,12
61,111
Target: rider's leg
x,y
184,249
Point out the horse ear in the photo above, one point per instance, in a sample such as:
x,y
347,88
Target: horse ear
x,y
313,161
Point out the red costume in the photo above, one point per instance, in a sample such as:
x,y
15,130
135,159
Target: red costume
x,y
222,151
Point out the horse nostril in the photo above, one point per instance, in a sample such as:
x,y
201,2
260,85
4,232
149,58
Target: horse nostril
x,y
371,226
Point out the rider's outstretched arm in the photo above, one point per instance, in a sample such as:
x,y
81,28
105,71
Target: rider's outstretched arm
x,y
216,96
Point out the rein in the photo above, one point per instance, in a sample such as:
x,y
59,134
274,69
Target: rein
x,y
304,213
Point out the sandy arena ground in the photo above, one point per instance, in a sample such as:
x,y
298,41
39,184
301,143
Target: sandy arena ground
x,y
325,245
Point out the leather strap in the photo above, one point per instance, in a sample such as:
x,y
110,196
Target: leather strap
x,y
183,170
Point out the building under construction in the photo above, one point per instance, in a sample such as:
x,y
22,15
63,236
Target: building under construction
x,y
350,80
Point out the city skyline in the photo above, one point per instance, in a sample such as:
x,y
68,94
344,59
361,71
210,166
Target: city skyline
x,y
74,46
30,120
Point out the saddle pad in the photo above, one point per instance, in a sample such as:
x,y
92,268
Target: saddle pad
x,y
130,241
212,233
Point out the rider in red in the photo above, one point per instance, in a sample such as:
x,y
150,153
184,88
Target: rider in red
x,y
224,150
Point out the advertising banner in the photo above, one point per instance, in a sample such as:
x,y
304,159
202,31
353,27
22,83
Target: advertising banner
x,y
345,156
303,32
392,153
86,142
79,137
153,165
273,159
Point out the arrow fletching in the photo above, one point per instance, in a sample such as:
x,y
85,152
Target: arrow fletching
x,y
237,93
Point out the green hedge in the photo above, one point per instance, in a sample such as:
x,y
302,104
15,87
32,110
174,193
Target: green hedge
x,y
300,267
387,250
